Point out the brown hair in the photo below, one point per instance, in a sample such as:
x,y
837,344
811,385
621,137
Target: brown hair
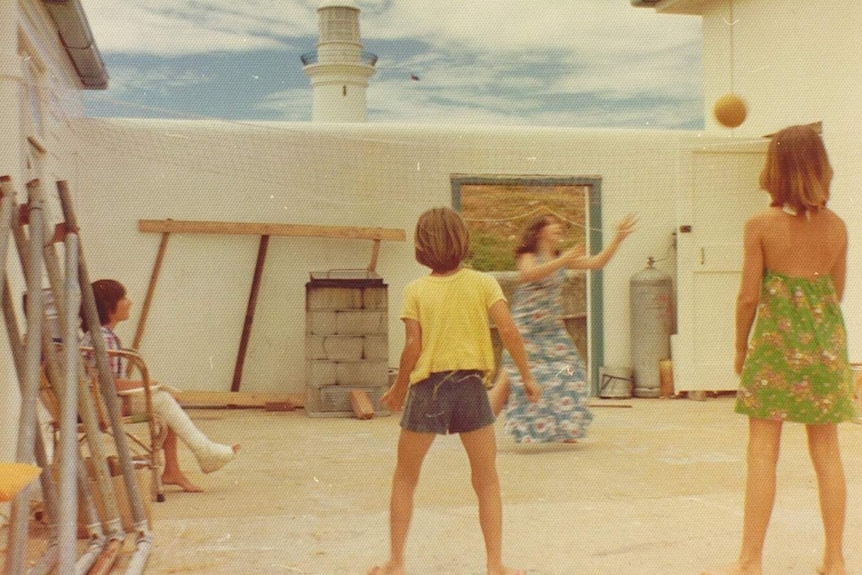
x,y
441,240
530,235
107,294
797,173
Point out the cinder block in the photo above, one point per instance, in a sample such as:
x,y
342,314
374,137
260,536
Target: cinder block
x,y
314,347
321,322
375,347
343,348
362,373
362,322
327,298
320,373
375,298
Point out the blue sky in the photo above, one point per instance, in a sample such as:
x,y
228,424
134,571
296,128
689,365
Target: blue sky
x,y
585,63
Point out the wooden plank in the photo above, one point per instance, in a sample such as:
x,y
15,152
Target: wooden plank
x,y
362,407
269,229
249,313
151,290
375,252
279,406
237,399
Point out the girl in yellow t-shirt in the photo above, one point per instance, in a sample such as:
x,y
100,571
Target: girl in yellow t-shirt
x,y
445,363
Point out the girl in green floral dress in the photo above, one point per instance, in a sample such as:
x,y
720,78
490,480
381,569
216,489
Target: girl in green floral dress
x,y
794,365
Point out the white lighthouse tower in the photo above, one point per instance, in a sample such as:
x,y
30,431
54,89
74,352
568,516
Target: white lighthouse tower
x,y
339,69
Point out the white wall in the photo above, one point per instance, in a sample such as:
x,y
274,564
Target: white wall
x,y
28,36
350,175
796,62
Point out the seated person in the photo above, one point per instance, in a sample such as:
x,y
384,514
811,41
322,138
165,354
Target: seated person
x,y
113,307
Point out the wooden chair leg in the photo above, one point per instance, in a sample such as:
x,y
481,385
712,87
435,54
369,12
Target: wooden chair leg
x,y
157,455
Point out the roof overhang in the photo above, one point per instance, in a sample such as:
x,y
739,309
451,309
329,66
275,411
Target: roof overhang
x,y
77,40
693,7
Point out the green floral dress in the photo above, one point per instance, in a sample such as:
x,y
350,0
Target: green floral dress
x,y
796,368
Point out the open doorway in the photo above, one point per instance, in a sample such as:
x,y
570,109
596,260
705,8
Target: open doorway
x,y
498,207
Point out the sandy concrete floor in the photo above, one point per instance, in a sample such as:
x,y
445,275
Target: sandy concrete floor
x,y
656,488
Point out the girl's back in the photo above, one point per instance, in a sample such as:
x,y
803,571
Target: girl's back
x,y
802,246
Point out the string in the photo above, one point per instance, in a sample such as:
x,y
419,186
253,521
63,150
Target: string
x,y
732,49
731,24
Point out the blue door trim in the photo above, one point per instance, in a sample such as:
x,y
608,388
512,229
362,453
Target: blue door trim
x,y
595,305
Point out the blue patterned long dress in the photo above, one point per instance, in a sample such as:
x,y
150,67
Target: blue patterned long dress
x,y
561,414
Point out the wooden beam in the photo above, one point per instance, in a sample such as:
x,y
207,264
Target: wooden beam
x,y
375,252
151,290
249,313
268,229
237,399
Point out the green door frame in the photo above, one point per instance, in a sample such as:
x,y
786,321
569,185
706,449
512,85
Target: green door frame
x,y
595,305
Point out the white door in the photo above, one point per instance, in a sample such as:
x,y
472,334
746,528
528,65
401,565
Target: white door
x,y
724,192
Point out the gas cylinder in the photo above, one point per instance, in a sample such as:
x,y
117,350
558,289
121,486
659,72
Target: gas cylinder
x,y
651,295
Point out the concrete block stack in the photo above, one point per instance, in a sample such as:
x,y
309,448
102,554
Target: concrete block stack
x,y
346,341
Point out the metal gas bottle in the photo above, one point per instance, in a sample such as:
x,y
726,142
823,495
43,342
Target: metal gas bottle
x,y
651,293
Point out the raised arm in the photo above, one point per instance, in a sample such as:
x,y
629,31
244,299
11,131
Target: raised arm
x,y
529,270
624,229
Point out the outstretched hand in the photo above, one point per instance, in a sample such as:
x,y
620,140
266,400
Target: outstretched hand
x,y
626,226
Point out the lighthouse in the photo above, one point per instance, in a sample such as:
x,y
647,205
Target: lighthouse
x,y
339,69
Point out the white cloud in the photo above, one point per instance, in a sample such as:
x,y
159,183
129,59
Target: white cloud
x,y
502,26
505,61
171,28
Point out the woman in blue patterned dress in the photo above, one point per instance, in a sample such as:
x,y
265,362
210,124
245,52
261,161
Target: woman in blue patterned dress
x,y
561,414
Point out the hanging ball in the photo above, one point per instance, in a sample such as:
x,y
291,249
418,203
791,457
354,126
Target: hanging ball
x,y
729,110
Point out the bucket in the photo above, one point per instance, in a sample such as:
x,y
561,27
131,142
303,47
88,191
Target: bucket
x,y
665,370
615,382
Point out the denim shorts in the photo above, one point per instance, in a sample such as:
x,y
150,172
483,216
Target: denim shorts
x,y
448,402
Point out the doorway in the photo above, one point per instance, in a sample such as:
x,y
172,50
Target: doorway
x,y
498,207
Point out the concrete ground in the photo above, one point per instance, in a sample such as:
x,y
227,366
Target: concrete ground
x,y
656,488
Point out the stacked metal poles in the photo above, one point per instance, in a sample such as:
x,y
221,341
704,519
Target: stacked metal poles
x,y
144,538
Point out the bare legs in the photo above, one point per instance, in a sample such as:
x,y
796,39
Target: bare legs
x,y
172,474
826,457
763,447
499,394
412,448
481,449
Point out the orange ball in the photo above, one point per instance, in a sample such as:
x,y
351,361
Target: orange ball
x,y
730,110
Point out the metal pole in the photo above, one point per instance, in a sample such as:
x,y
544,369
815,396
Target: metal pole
x,y
29,386
112,403
69,414
49,559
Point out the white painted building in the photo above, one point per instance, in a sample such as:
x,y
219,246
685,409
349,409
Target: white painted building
x,y
792,65
792,62
47,56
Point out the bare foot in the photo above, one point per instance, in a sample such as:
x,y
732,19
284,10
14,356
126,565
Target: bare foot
x,y
182,481
735,569
506,571
833,570
387,569
236,447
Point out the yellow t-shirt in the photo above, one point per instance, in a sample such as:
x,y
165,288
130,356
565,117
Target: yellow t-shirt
x,y
453,314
